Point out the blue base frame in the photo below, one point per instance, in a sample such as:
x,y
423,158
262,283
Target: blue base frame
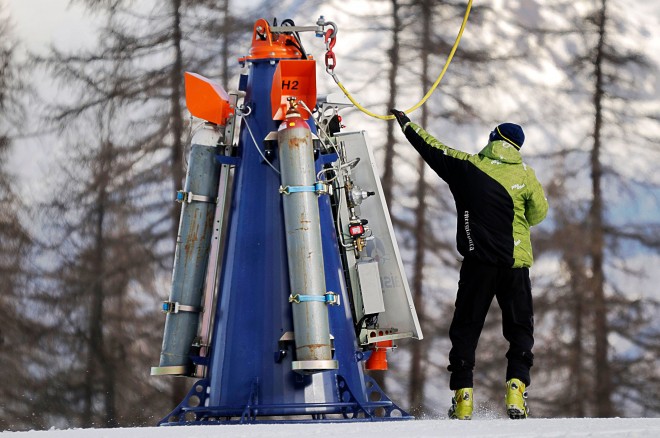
x,y
191,411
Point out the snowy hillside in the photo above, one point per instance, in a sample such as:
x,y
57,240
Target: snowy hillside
x,y
600,428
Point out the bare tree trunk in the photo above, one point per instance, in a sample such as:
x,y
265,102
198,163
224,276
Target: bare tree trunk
x,y
96,278
603,375
419,349
176,118
388,164
179,386
388,171
577,401
226,31
106,368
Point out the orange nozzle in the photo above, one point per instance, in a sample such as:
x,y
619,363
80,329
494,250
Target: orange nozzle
x,y
378,359
207,99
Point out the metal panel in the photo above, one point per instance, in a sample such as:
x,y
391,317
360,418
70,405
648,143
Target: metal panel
x,y
399,307
371,288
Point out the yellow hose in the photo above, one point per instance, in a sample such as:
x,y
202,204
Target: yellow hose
x,y
431,90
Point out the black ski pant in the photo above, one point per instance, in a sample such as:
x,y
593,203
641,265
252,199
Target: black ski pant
x,y
477,285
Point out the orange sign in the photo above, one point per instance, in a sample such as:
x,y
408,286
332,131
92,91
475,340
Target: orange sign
x,y
293,78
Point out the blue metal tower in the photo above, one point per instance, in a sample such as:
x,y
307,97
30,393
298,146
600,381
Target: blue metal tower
x,y
278,296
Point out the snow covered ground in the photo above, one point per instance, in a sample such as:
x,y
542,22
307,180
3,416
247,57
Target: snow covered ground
x,y
531,428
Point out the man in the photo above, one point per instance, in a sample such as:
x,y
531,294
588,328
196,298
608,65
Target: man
x,y
497,199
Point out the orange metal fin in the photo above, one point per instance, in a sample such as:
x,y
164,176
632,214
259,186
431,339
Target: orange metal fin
x,y
207,99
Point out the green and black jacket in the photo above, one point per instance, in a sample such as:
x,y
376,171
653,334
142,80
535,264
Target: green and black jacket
x,y
497,198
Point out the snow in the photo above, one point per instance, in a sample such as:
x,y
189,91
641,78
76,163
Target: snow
x,y
530,428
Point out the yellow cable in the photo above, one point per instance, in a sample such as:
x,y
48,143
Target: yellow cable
x,y
431,90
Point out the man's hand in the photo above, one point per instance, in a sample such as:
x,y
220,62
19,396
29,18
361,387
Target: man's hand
x,y
401,117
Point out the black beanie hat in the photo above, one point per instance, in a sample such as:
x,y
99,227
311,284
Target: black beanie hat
x,y
509,132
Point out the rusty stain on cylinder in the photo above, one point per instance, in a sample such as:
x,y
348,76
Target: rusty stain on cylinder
x,y
191,239
210,217
304,222
296,142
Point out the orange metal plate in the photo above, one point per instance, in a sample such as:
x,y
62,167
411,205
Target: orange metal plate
x,y
293,78
207,99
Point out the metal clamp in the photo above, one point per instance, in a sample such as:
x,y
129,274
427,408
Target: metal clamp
x,y
329,298
176,307
189,197
320,188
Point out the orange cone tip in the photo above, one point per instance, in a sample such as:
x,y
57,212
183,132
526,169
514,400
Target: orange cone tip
x,y
378,359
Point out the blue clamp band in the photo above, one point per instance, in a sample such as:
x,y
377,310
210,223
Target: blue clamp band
x,y
330,298
188,197
320,188
176,307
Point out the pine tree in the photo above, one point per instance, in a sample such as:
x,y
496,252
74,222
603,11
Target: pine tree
x,y
113,229
615,76
395,60
101,287
15,247
602,349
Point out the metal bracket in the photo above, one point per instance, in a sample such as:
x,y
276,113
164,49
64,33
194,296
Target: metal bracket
x,y
369,336
288,29
320,188
329,298
188,197
176,307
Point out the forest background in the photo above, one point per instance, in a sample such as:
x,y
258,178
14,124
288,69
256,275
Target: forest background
x,y
93,136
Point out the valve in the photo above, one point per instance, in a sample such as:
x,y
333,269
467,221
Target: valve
x,y
357,195
357,229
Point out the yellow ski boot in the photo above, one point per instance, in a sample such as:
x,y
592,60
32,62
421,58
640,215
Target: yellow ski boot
x,y
516,405
461,404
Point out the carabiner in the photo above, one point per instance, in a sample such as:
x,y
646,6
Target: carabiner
x,y
330,58
330,39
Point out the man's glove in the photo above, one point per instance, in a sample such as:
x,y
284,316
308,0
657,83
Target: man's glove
x,y
401,117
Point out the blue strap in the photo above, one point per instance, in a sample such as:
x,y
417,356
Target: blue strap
x,y
298,189
328,298
176,307
319,188
188,197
